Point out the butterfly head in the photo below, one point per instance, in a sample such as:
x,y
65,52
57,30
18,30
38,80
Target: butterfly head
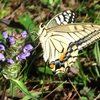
x,y
42,27
42,32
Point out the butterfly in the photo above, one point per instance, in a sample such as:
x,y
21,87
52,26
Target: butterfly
x,y
61,40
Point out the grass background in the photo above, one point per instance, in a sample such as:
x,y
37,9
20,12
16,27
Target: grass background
x,y
35,74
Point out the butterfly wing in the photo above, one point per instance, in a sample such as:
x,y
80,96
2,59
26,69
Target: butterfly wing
x,y
61,43
61,40
62,18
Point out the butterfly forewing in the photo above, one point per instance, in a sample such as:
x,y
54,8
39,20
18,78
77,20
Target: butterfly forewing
x,y
62,18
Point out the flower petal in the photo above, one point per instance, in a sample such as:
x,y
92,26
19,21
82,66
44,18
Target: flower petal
x,y
27,48
2,47
12,40
5,34
10,61
21,56
2,57
24,34
27,54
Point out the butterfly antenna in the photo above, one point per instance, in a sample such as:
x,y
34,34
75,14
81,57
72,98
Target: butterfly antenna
x,y
36,38
36,46
33,32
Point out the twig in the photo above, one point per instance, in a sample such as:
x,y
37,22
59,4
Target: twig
x,y
75,88
4,91
53,91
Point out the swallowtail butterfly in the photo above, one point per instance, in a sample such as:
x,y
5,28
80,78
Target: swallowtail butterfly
x,y
61,39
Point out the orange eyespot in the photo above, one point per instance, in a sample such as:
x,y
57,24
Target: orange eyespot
x,y
52,66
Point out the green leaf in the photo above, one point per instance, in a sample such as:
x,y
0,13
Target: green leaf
x,y
34,94
92,14
50,3
84,98
22,87
54,2
48,70
12,88
81,74
45,2
27,22
3,13
91,94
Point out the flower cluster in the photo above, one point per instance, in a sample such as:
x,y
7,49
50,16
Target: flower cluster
x,y
25,52
14,51
12,41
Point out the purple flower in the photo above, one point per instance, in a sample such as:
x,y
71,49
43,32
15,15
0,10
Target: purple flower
x,y
24,34
2,47
27,48
21,57
2,57
5,34
11,40
10,61
27,54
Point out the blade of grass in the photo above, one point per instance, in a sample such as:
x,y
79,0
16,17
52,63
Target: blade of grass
x,y
96,52
22,87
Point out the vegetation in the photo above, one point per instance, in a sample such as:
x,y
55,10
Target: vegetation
x,y
23,73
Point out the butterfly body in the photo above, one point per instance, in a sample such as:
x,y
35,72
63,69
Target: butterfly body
x,y
61,43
